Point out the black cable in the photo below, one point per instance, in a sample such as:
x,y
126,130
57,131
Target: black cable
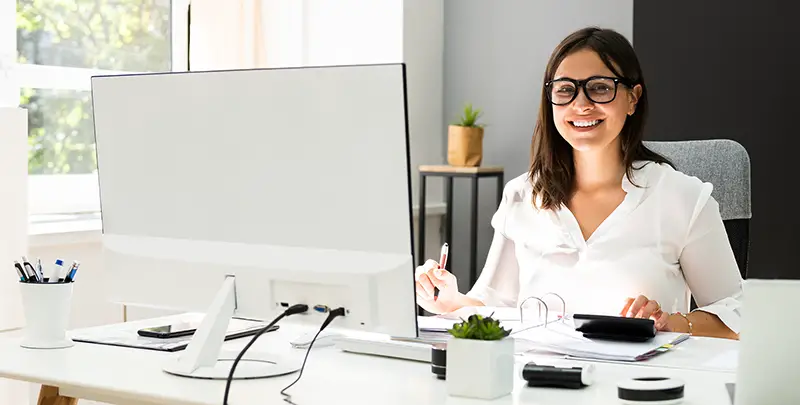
x,y
333,314
293,310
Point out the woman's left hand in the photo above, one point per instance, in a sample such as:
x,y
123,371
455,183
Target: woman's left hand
x,y
643,307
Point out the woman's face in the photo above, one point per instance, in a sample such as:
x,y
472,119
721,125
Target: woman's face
x,y
583,123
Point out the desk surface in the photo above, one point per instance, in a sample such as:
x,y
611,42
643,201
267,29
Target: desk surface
x,y
132,376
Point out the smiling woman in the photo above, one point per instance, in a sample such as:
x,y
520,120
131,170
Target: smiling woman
x,y
602,221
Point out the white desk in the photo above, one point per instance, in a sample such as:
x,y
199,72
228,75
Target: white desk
x,y
131,376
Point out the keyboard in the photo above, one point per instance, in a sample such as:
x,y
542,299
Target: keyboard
x,y
386,347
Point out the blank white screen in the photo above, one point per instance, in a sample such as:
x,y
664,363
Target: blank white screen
x,y
305,157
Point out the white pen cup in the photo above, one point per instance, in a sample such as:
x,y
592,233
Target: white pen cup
x,y
47,310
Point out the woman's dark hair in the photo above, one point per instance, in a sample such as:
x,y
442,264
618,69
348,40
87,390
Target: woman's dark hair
x,y
552,168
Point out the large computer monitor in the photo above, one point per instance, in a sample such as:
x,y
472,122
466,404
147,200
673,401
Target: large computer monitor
x,y
241,192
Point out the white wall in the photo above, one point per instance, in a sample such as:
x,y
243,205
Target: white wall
x,y
346,32
423,47
388,31
283,32
13,211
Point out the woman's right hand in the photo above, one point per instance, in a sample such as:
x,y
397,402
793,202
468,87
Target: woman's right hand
x,y
430,275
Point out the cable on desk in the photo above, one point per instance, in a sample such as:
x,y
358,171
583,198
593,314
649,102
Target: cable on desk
x,y
293,310
331,316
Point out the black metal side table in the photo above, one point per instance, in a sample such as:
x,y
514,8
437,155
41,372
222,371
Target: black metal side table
x,y
449,173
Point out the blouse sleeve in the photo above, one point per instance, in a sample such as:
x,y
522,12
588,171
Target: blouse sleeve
x,y
710,268
498,284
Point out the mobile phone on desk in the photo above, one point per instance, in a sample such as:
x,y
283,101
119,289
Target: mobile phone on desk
x,y
174,330
615,327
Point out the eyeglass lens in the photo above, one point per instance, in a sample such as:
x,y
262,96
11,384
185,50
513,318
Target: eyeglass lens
x,y
598,90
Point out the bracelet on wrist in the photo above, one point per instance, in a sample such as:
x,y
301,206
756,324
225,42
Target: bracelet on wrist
x,y
689,321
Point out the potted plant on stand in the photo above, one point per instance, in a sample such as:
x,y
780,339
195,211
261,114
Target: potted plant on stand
x,y
465,139
480,359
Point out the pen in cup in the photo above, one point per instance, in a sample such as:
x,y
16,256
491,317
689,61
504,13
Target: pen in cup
x,y
33,275
70,276
23,276
55,272
442,264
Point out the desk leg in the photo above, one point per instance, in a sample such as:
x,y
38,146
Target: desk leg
x,y
48,395
473,235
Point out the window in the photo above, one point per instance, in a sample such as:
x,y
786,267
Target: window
x,y
55,48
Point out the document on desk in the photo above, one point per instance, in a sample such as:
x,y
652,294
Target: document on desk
x,y
562,338
499,313
508,317
126,334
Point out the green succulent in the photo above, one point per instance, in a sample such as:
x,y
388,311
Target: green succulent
x,y
477,327
469,118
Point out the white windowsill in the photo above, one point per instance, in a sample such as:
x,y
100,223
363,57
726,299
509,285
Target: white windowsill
x,y
50,230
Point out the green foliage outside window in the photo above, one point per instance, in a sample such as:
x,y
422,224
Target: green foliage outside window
x,y
120,35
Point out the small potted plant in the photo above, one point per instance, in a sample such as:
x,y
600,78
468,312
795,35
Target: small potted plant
x,y
480,359
465,139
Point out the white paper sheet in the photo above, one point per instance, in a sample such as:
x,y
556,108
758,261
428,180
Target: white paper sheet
x,y
499,313
561,337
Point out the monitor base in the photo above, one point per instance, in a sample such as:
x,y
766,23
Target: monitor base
x,y
252,366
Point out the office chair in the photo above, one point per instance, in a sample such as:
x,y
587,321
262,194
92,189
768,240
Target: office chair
x,y
725,164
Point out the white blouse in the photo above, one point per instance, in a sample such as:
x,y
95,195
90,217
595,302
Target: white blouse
x,y
666,240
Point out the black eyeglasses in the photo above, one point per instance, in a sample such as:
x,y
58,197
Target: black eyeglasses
x,y
598,89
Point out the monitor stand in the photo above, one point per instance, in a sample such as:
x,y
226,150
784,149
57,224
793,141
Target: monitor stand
x,y
204,358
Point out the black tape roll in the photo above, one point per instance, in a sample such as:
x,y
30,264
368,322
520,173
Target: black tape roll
x,y
651,390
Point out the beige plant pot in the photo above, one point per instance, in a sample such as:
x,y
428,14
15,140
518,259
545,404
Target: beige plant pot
x,y
464,146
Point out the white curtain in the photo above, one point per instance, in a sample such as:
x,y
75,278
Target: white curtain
x,y
226,34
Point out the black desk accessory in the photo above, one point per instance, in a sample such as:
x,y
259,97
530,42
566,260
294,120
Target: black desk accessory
x,y
615,327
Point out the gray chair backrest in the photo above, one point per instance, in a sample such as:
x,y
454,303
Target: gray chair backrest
x,y
726,165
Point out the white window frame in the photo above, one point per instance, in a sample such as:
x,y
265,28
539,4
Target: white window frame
x,y
66,193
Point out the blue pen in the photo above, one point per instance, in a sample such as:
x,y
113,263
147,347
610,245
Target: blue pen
x,y
71,275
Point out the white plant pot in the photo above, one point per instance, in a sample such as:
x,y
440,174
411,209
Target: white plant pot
x,y
480,369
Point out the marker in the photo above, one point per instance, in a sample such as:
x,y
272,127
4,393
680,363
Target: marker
x,y
442,264
55,273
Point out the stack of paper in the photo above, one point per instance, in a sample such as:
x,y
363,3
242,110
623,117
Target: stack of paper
x,y
562,338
